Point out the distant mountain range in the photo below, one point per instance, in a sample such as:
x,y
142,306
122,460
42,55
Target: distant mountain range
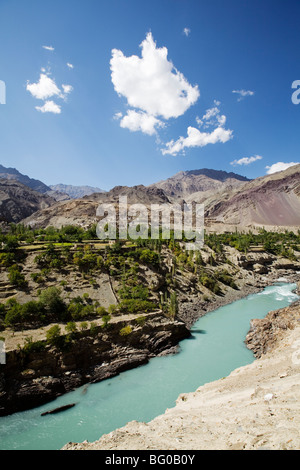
x,y
230,200
75,192
59,192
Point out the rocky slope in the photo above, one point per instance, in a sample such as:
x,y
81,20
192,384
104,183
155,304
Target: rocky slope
x,y
34,378
265,333
83,211
255,407
198,183
273,200
18,201
15,175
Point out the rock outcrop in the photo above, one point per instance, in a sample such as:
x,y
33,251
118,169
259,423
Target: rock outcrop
x,y
31,379
265,333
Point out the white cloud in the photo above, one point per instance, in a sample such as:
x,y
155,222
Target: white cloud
x,y
71,66
48,48
151,83
186,31
212,117
212,120
156,91
140,121
117,116
44,88
67,89
246,160
280,166
243,93
196,138
49,107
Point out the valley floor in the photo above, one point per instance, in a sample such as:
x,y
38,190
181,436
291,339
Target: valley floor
x,y
255,407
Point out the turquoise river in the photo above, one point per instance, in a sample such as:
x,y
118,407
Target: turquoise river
x,y
215,348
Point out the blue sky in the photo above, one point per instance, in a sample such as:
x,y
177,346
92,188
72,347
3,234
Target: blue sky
x,y
115,92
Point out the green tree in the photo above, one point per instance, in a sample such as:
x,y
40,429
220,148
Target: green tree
x,y
53,336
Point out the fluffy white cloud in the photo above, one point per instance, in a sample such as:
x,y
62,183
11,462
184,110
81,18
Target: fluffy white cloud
x,y
280,166
151,83
246,160
49,107
156,91
48,48
71,66
139,121
243,93
196,138
44,88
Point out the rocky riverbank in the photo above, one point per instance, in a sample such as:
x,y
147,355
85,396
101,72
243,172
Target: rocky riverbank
x,y
265,333
31,379
191,311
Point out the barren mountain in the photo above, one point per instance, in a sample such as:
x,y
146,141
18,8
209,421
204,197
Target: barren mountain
x,y
269,200
203,183
13,174
18,201
229,199
83,211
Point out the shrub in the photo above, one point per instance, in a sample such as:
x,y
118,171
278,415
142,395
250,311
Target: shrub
x,y
141,321
93,329
33,312
15,277
83,326
14,315
210,283
53,336
33,346
53,303
136,305
135,292
106,319
7,259
71,327
126,330
37,277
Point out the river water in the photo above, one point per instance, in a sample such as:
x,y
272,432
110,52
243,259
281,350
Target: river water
x,y
215,349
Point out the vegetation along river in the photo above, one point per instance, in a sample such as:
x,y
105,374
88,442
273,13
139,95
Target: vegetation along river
x,y
215,349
